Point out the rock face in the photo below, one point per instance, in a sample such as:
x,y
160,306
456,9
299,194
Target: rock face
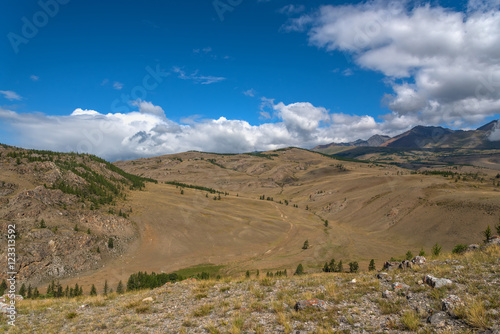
x,y
436,282
58,231
303,304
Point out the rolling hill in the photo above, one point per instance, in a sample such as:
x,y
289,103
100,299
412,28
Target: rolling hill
x,y
238,212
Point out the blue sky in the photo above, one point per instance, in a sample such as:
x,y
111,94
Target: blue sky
x,y
125,79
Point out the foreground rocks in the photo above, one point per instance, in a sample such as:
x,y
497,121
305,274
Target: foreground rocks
x,y
326,302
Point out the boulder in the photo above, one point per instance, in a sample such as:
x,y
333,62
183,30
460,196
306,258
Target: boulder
x,y
388,294
436,282
438,319
405,265
494,240
397,286
303,304
382,276
473,247
451,303
419,260
390,265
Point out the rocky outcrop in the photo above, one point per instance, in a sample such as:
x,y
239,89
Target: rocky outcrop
x,y
436,282
316,303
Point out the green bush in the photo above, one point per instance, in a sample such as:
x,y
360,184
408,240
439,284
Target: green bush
x,y
459,249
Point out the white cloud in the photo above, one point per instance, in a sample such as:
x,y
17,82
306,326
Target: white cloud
x,y
195,77
292,9
148,132
495,134
34,77
348,72
250,92
10,95
117,85
443,65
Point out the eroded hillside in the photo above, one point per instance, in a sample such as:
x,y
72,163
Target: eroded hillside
x,y
65,208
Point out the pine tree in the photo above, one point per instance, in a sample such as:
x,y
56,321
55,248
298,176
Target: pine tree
x,y
22,290
59,290
76,228
42,224
110,243
409,255
258,273
487,234
353,267
80,292
247,274
306,244
119,288
340,267
498,227
88,231
66,293
299,270
76,290
93,290
30,292
36,293
106,287
3,287
371,266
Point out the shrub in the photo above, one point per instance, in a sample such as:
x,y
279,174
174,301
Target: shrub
x,y
71,315
436,249
42,224
409,255
459,249
110,243
422,252
306,244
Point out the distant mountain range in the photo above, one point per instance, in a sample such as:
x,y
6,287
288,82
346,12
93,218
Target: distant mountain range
x,y
424,137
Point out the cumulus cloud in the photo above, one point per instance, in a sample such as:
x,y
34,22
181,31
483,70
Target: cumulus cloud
x,y
443,65
148,132
10,95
